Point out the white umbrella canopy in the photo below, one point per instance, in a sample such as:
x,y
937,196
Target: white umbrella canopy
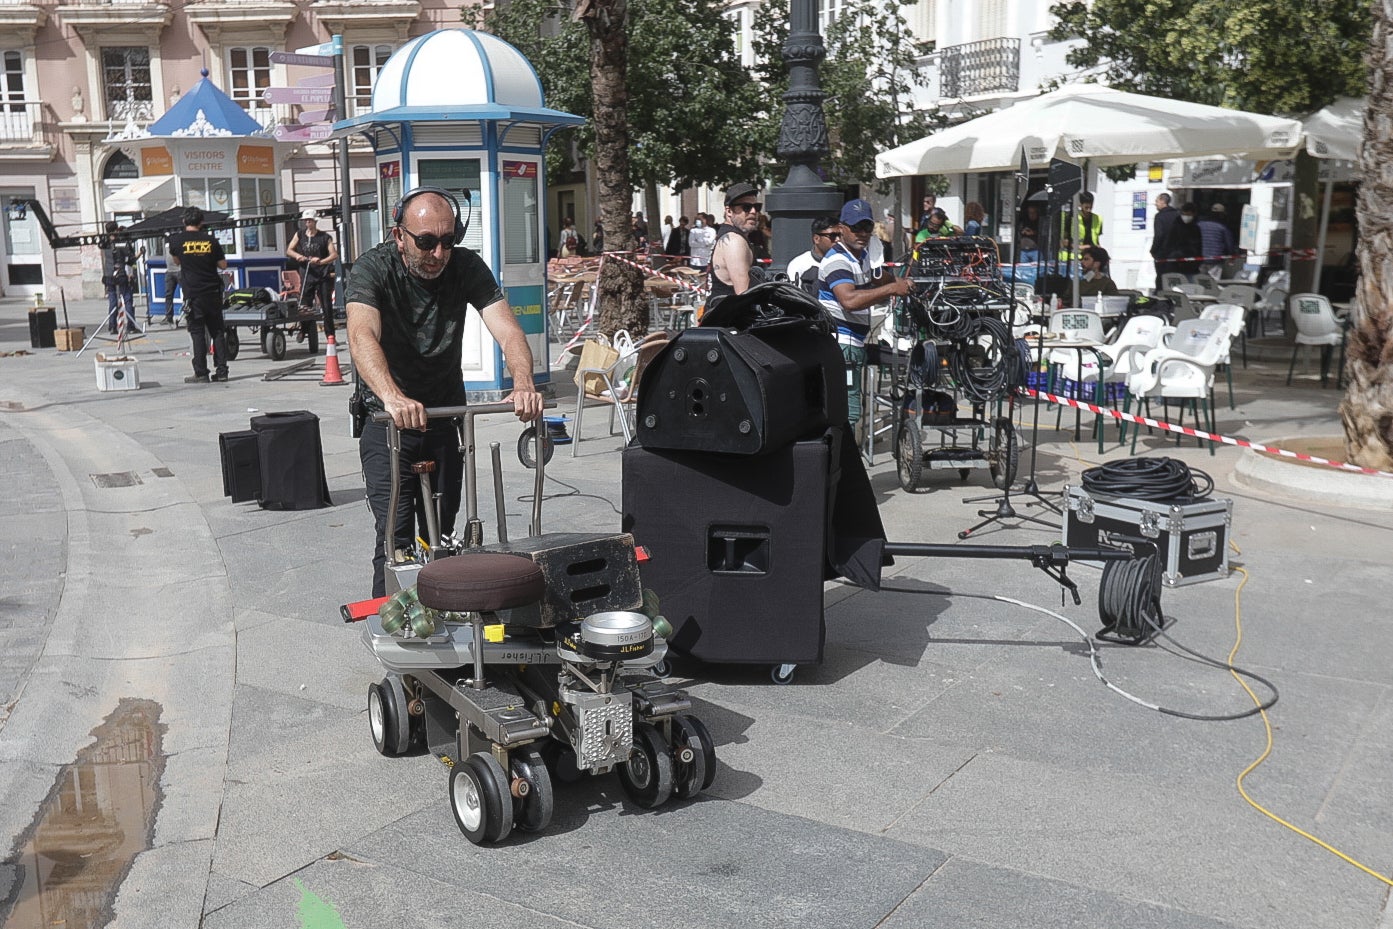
x,y
1091,122
1337,130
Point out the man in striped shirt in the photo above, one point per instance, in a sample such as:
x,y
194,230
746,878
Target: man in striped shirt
x,y
846,292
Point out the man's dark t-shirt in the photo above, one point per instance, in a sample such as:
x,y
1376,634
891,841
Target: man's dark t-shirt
x,y
198,254
422,321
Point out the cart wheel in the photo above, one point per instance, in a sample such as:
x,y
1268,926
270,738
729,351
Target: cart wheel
x,y
234,344
694,775
312,340
525,446
910,467
479,799
277,347
647,776
1004,457
532,811
387,717
265,341
561,761
782,673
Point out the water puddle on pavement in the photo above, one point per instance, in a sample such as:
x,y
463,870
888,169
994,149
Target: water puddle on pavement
x,y
99,815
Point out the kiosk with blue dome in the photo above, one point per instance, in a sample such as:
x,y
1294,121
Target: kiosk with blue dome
x,y
463,110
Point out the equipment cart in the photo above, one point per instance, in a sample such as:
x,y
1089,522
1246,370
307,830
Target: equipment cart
x,y
517,663
958,315
270,320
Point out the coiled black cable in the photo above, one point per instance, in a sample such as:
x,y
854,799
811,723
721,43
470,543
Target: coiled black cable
x,y
1159,480
982,363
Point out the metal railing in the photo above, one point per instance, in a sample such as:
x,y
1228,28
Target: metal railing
x,y
24,124
976,68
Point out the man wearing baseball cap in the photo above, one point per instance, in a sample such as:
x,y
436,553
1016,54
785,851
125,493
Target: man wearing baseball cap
x,y
846,292
733,270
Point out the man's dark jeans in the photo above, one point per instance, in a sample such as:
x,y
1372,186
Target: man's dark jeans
x,y
203,313
441,444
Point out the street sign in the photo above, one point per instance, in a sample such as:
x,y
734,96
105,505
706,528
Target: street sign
x,y
316,116
297,133
319,80
320,95
323,48
308,61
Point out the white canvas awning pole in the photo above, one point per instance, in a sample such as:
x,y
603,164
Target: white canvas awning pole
x,y
1320,235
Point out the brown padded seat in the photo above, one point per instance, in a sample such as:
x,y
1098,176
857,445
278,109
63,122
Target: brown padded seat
x,y
480,583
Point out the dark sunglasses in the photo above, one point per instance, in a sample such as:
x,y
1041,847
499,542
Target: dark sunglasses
x,y
863,227
428,241
747,207
834,236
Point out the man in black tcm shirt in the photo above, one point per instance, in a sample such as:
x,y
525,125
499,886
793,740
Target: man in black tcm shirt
x,y
199,257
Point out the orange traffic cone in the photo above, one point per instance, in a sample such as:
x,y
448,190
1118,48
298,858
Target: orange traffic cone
x,y
332,375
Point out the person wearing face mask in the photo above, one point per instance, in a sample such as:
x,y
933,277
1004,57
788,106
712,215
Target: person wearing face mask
x,y
700,242
407,303
1186,243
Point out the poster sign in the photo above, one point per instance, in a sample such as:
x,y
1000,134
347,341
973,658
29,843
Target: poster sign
x,y
205,158
256,159
1139,199
520,169
155,160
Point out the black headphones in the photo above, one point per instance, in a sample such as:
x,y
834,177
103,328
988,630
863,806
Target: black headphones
x,y
461,225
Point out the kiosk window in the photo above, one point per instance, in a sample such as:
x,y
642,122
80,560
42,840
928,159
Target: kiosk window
x,y
521,239
456,174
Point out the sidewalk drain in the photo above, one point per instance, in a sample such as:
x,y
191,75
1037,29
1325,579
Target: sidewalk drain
x,y
161,472
117,479
99,815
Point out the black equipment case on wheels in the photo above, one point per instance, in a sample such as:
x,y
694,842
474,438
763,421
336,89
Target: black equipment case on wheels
x,y
1191,539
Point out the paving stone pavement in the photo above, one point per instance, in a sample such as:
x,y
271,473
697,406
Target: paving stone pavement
x,y
954,760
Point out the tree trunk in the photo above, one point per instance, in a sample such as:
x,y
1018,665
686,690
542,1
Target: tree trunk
x,y
621,286
1367,408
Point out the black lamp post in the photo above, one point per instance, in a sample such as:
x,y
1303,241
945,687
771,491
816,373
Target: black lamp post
x,y
802,140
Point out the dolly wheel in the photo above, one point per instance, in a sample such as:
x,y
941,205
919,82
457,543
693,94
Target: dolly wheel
x,y
387,717
234,344
531,811
277,346
647,776
695,757
782,673
480,800
527,445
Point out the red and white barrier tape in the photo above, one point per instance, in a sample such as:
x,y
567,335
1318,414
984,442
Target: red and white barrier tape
x,y
1200,434
684,284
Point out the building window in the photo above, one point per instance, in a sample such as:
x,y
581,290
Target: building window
x,y
248,74
126,83
12,80
367,62
827,13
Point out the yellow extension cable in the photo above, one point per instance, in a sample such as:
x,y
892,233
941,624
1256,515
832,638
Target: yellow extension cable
x,y
1267,726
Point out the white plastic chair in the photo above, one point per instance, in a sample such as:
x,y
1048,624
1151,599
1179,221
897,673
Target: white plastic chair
x,y
1317,324
616,386
1172,280
1182,369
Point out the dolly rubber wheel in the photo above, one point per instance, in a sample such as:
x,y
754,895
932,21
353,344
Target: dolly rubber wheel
x,y
234,344
525,448
276,348
647,776
783,673
531,811
695,773
387,717
480,800
265,341
1005,457
910,466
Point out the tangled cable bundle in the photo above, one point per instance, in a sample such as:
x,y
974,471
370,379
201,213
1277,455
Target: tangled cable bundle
x,y
1159,480
983,363
1129,599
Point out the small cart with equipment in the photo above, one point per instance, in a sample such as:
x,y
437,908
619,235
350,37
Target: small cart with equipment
x,y
520,662
270,319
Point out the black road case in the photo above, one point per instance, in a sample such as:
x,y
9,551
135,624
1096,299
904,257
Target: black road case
x,y
1192,539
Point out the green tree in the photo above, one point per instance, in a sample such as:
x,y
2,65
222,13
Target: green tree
x,y
1265,56
869,76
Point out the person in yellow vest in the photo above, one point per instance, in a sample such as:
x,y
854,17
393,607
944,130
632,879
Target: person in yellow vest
x,y
1088,229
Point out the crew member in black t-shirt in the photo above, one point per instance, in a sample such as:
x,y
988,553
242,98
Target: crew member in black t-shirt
x,y
407,300
199,257
318,253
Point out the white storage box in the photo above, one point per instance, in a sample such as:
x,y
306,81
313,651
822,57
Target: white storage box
x,y
117,372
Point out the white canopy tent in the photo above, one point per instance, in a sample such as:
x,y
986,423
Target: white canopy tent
x,y
1096,124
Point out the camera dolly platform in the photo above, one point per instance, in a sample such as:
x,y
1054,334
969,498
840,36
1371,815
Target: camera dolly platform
x,y
270,320
522,662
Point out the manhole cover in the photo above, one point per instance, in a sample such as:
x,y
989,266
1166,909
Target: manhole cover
x,y
161,472
117,479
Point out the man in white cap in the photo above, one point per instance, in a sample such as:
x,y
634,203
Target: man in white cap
x,y
846,292
319,254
